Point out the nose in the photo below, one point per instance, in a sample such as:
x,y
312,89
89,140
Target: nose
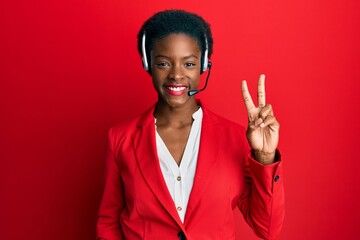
x,y
176,73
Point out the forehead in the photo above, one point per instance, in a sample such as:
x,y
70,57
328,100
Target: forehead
x,y
176,43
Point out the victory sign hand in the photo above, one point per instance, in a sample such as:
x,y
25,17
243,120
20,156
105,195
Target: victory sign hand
x,y
263,128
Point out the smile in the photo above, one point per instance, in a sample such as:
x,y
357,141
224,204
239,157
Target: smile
x,y
176,90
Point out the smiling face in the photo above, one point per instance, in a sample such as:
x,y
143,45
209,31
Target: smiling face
x,y
175,68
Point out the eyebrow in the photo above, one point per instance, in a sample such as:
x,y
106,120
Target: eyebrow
x,y
186,57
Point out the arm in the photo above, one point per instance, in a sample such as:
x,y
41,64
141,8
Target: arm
x,y
263,201
108,225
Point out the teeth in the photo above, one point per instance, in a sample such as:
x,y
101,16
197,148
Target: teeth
x,y
176,89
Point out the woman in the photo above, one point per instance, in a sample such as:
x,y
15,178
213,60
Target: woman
x,y
178,171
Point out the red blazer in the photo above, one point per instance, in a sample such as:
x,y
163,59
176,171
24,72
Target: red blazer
x,y
136,203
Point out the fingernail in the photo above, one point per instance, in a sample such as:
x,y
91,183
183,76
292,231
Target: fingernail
x,y
262,125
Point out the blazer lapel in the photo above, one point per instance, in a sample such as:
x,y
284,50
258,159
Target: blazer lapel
x,y
207,158
147,158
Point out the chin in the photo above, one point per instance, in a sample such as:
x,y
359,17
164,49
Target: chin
x,y
175,102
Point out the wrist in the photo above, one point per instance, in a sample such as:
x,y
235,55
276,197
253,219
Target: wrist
x,y
264,158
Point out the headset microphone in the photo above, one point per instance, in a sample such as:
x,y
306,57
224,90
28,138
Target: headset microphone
x,y
193,92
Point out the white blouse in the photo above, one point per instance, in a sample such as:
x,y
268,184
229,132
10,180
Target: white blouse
x,y
180,179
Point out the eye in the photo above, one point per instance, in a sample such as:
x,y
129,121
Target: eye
x,y
190,64
162,64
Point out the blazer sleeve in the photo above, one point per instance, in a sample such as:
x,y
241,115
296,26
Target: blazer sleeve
x,y
112,203
262,202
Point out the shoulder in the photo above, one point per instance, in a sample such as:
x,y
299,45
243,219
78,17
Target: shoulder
x,y
209,115
125,129
231,134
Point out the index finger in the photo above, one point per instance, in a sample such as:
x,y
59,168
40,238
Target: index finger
x,y
247,97
261,91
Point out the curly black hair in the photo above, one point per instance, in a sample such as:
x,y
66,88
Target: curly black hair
x,y
167,22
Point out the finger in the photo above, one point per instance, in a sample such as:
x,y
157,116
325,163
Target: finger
x,y
246,95
255,124
266,111
261,91
270,121
258,122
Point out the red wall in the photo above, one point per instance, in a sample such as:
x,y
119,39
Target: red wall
x,y
70,69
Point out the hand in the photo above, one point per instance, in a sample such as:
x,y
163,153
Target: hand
x,y
263,128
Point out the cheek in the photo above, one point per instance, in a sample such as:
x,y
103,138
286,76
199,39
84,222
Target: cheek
x,y
195,79
155,78
157,74
157,81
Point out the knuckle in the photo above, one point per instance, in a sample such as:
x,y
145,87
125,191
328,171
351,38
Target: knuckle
x,y
272,119
268,119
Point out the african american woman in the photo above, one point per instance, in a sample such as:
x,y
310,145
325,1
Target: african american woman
x,y
179,171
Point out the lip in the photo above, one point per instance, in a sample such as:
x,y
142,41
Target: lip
x,y
176,89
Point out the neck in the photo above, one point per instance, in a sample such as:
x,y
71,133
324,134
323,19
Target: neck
x,y
166,114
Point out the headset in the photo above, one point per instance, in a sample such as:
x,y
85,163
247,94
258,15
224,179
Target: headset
x,y
205,66
206,63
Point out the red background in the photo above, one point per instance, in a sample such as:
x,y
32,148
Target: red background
x,y
70,69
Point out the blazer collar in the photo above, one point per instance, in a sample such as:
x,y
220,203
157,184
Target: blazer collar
x,y
146,154
207,159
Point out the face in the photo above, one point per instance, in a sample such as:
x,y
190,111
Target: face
x,y
175,68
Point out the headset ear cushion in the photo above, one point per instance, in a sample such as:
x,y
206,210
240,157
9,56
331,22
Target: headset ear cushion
x,y
205,61
205,57
145,65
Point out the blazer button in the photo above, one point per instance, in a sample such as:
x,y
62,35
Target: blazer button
x,y
181,235
276,178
